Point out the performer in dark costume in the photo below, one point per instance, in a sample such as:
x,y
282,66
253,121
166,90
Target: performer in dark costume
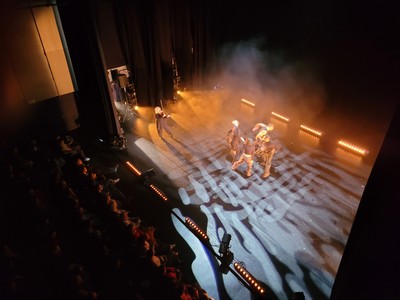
x,y
161,121
247,156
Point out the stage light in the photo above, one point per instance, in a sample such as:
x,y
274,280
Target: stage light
x,y
158,192
224,246
248,102
352,147
136,107
226,255
311,130
283,118
196,230
133,168
249,278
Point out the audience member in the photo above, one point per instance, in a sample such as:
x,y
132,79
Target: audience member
x,y
61,211
68,148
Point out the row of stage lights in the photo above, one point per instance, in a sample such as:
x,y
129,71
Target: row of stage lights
x,y
196,230
249,278
226,256
317,133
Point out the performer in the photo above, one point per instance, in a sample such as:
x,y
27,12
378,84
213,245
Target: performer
x,y
266,151
262,138
233,139
161,121
259,127
116,91
249,148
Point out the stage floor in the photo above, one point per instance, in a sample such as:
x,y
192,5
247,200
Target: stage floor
x,y
288,230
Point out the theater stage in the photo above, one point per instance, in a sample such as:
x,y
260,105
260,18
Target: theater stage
x,y
288,230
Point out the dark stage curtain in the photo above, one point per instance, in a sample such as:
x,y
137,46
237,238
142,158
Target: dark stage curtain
x,y
79,22
152,33
108,35
203,41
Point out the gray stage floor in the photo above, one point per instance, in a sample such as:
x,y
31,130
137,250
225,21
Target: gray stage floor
x,y
288,230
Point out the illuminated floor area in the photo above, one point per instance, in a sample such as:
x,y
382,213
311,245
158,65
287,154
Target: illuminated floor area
x,y
288,230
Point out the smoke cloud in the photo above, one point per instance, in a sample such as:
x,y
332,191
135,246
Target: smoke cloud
x,y
270,80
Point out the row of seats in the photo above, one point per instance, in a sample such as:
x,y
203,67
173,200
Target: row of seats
x,y
68,231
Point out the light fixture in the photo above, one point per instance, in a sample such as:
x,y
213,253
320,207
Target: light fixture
x,y
224,245
158,192
283,118
133,168
352,147
196,230
248,102
249,278
311,130
226,256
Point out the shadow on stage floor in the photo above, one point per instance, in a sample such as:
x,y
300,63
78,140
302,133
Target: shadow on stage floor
x,y
288,230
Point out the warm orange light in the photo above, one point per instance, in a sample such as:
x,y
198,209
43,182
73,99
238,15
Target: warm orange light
x,y
248,102
311,130
133,168
248,277
280,116
195,229
158,192
352,147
